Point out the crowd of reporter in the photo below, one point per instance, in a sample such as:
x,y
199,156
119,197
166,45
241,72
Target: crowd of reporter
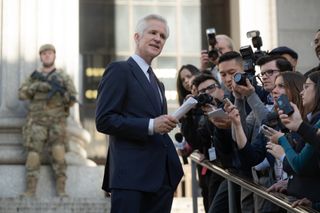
x,y
255,138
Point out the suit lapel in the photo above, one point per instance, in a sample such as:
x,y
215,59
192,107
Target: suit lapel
x,y
144,82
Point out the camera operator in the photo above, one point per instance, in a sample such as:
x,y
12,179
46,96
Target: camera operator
x,y
270,66
222,44
250,58
230,64
197,134
190,127
216,132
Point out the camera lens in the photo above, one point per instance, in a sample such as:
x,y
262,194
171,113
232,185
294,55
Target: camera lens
x,y
213,54
240,79
204,99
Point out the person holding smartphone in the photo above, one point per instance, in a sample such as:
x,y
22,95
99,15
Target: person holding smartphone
x,y
304,183
215,135
251,154
296,123
248,95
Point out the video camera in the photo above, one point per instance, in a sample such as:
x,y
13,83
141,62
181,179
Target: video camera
x,y
250,58
213,52
203,99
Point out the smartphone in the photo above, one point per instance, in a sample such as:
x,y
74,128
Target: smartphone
x,y
227,101
284,104
264,128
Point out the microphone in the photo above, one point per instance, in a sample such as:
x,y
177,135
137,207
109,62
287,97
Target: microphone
x,y
179,137
180,142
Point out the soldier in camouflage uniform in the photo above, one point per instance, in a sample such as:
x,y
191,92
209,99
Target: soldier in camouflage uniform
x,y
51,93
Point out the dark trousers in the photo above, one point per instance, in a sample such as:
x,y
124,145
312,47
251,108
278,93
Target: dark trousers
x,y
132,201
209,184
214,182
220,202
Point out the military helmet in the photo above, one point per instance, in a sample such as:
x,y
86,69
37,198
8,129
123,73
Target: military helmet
x,y
46,47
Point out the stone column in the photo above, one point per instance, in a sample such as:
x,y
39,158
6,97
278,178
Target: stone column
x,y
25,26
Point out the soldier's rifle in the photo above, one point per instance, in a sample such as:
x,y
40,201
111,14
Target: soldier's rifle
x,y
56,85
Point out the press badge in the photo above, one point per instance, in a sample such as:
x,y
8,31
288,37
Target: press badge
x,y
212,154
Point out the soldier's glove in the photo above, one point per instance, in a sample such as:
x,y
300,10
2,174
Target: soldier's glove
x,y
39,86
33,88
44,87
68,100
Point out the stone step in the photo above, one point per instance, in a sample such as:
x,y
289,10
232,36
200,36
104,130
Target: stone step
x,y
78,205
54,205
83,187
82,181
184,205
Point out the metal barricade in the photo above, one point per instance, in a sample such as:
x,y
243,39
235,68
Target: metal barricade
x,y
278,199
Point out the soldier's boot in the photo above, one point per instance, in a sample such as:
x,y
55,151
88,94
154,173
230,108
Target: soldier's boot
x,y
60,186
31,187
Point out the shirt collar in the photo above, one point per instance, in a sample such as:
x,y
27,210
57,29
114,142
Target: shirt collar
x,y
141,63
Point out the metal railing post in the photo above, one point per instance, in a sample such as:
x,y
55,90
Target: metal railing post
x,y
231,198
194,186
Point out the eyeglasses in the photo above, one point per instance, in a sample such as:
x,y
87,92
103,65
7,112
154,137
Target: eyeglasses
x,y
307,85
268,73
211,87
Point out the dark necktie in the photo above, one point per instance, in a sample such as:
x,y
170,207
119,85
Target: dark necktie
x,y
154,85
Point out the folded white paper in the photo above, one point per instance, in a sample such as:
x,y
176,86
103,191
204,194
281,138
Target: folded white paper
x,y
184,108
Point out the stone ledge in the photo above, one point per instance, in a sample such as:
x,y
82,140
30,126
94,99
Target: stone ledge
x,y
83,187
82,182
54,205
79,205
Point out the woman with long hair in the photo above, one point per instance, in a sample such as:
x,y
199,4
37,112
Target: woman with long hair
x,y
251,154
304,161
284,82
295,122
184,81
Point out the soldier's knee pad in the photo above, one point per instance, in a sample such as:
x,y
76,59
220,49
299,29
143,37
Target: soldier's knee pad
x,y
58,153
33,160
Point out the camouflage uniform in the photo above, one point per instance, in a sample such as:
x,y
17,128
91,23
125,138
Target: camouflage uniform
x,y
50,98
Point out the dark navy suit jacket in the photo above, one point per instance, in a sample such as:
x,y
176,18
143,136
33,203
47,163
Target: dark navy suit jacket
x,y
136,160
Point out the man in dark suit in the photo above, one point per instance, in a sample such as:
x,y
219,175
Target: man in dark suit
x,y
143,168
